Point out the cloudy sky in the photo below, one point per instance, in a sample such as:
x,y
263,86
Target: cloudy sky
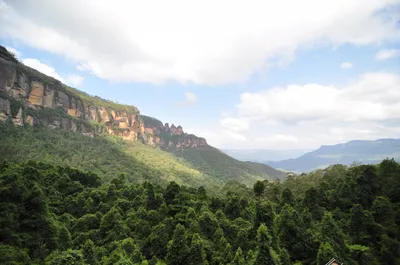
x,y
263,74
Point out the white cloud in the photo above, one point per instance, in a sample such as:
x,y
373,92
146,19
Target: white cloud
x,y
374,96
234,124
310,115
346,65
222,138
281,140
14,51
277,138
41,67
206,42
190,98
387,54
74,80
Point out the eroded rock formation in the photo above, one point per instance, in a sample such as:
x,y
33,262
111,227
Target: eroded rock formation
x,y
30,98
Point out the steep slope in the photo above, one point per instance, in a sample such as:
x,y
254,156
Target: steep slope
x,y
366,152
107,156
30,98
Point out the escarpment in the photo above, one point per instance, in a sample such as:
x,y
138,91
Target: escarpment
x,y
30,98
170,137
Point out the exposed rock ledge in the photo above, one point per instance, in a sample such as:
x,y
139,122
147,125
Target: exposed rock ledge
x,y
30,98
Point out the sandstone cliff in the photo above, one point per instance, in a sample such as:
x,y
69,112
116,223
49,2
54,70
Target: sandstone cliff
x,y
170,137
30,98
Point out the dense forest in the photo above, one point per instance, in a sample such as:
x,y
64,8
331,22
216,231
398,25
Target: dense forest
x,y
60,215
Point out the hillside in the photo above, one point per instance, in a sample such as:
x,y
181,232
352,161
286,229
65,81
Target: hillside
x,y
365,152
105,156
29,98
215,163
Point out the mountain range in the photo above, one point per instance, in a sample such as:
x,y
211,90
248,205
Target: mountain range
x,y
359,151
46,121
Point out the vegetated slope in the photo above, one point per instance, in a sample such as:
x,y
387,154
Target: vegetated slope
x,y
365,152
105,156
58,215
204,157
108,156
216,163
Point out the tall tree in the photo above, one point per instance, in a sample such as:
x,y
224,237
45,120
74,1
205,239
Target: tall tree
x,y
264,256
171,192
259,188
197,253
177,249
325,253
356,223
287,197
332,234
239,258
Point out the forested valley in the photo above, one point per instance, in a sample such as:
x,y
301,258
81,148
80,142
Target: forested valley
x,y
60,215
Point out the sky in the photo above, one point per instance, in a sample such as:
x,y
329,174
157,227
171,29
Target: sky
x,y
248,74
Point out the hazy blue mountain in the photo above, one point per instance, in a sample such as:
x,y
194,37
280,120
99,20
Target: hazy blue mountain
x,y
262,155
354,151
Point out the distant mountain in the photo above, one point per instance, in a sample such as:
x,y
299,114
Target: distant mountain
x,y
364,152
262,155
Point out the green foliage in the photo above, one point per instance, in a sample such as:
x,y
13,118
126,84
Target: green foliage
x,y
177,249
325,253
13,255
264,256
69,257
238,259
58,215
259,188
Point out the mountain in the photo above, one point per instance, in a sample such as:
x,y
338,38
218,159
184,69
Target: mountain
x,y
30,99
262,155
365,152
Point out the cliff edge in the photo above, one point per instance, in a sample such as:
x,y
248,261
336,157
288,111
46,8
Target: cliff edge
x,y
30,98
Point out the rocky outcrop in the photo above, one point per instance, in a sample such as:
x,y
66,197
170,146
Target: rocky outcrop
x,y
5,111
30,98
170,137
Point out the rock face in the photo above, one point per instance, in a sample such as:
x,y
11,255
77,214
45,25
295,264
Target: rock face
x,y
35,99
28,97
170,137
5,111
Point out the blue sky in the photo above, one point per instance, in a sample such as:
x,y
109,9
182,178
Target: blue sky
x,y
268,83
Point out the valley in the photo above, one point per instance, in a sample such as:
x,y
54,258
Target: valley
x,y
199,132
